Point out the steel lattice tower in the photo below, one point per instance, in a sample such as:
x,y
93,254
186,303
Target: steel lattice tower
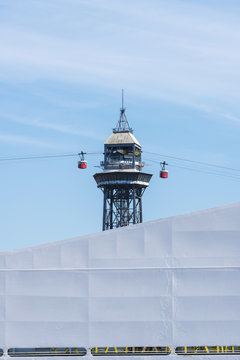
x,y
122,180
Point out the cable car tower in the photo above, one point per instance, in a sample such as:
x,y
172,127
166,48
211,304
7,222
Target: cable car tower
x,y
122,180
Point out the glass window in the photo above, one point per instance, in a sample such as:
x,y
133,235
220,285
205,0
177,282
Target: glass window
x,y
115,155
63,351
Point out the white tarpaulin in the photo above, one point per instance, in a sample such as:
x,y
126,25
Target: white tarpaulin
x,y
171,282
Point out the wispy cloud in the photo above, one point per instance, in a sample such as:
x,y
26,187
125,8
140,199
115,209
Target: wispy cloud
x,y
231,117
181,51
59,127
24,140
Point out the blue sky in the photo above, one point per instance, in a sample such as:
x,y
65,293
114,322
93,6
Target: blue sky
x,y
62,67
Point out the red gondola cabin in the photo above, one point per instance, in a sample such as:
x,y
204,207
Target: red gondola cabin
x,y
82,164
164,174
163,171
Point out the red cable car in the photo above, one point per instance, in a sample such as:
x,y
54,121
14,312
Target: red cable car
x,y
82,164
163,171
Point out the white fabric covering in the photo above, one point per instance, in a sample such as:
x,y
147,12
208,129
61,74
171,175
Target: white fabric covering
x,y
171,282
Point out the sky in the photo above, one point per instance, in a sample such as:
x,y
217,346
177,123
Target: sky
x,y
62,67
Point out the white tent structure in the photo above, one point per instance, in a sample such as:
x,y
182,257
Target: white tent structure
x,y
168,284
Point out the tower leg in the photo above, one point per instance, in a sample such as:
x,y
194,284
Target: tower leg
x,y
104,209
134,206
111,210
140,210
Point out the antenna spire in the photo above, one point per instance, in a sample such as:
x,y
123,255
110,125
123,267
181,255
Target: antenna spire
x,y
122,125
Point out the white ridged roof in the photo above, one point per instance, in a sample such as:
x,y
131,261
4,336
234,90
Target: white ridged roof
x,y
122,138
